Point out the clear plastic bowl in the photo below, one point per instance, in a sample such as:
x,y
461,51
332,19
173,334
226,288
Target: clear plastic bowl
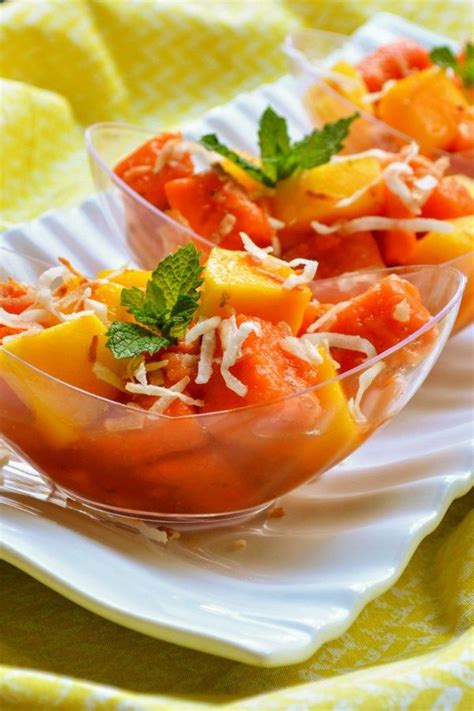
x,y
311,53
150,234
219,466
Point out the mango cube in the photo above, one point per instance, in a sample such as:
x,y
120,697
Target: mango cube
x,y
313,194
437,247
64,352
233,282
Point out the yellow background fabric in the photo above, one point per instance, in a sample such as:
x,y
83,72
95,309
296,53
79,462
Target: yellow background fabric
x,y
68,63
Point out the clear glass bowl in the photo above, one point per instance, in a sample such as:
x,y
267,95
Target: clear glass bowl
x,y
220,466
150,234
311,54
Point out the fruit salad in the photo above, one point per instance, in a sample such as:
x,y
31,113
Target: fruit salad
x,y
426,95
349,212
206,385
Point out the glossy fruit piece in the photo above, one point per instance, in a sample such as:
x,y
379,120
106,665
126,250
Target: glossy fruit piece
x,y
426,106
397,246
385,314
137,169
219,209
355,90
392,61
110,293
464,139
14,297
452,197
436,248
314,194
338,255
234,282
65,352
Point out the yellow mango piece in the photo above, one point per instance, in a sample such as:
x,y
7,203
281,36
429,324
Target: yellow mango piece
x,y
64,352
354,91
339,431
234,283
128,278
427,106
313,194
437,248
110,295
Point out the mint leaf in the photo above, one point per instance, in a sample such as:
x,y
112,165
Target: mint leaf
x,y
468,77
320,145
212,143
274,143
279,158
444,57
167,306
127,340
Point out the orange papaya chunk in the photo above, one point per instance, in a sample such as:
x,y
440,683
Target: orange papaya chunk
x,y
137,169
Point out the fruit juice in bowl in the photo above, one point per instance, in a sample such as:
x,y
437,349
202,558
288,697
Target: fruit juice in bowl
x,y
380,207
199,394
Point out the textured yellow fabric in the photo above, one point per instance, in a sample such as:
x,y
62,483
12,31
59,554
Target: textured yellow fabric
x,y
67,63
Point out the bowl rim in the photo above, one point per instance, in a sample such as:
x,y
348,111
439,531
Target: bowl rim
x,y
94,153
444,311
295,54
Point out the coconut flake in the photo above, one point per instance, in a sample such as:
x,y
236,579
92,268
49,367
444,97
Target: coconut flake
x,y
365,381
376,222
342,340
232,340
307,275
166,395
206,355
402,311
201,328
260,254
328,316
302,349
99,309
276,224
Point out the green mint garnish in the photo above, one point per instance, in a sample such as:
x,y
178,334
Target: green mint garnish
x,y
279,157
445,57
165,308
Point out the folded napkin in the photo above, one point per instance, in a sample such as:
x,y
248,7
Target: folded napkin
x,y
66,64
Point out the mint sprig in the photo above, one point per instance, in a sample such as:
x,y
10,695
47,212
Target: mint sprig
x,y
163,311
279,157
444,57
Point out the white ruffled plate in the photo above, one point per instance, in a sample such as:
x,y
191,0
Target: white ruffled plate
x,y
302,579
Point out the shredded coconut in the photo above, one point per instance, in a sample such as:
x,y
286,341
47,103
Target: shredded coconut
x,y
310,267
276,224
328,316
374,222
102,372
172,393
302,349
98,307
365,381
206,355
342,340
232,339
402,311
200,328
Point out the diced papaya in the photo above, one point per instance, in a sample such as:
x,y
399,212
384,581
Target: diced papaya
x,y
63,352
219,209
391,61
137,169
338,255
427,106
450,198
234,283
313,194
397,246
355,90
385,314
464,139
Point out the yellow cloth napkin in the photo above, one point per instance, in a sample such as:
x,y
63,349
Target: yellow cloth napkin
x,y
68,63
